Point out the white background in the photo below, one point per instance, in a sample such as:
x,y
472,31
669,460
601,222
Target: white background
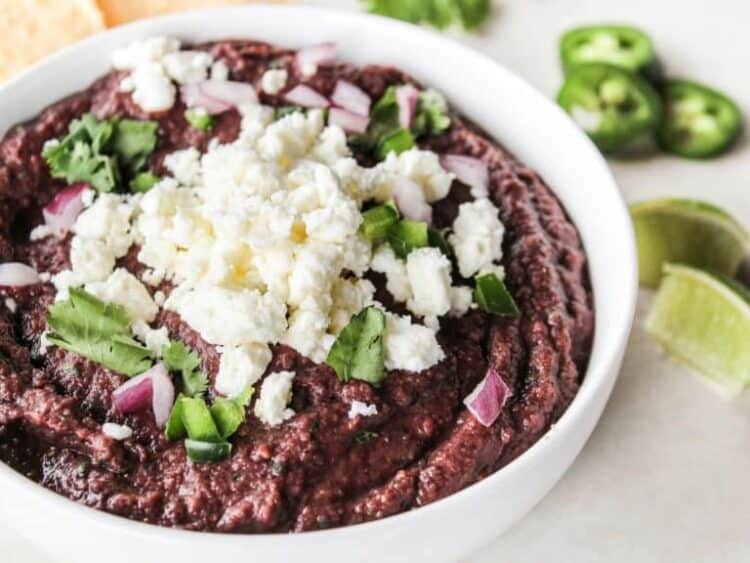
x,y
666,475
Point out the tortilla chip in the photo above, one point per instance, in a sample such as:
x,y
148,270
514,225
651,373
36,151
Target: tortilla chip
x,y
117,12
35,28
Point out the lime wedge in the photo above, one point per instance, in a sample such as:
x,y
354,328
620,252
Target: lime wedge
x,y
704,320
686,232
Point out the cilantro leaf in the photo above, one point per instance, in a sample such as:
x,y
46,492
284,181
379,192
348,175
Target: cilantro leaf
x,y
102,153
358,351
438,13
98,331
178,357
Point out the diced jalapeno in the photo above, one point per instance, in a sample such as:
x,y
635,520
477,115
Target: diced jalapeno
x,y
615,107
699,122
620,46
406,235
377,221
491,295
204,452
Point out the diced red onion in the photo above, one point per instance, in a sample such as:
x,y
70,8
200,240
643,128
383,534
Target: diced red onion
x,y
410,200
15,274
348,121
470,171
352,98
218,96
306,97
153,387
309,58
163,390
61,213
487,399
134,395
407,98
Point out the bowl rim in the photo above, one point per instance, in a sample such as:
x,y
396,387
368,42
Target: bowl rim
x,y
604,356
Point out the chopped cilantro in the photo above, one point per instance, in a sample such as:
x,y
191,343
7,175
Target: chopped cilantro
x,y
358,351
199,120
143,182
438,13
180,358
98,331
365,436
102,153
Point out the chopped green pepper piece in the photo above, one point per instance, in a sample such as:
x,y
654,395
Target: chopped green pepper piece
x,y
175,428
406,235
377,221
493,297
228,414
206,452
618,45
437,239
613,106
700,122
199,120
399,141
199,424
143,182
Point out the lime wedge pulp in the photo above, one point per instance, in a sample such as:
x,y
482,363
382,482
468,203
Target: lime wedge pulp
x,y
686,232
704,320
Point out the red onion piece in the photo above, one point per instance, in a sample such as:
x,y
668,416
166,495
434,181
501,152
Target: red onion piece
x,y
153,387
218,96
352,98
407,98
348,121
309,58
163,393
487,399
61,213
15,274
134,395
410,200
470,171
306,97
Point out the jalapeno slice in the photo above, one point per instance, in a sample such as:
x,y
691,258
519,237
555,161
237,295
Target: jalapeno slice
x,y
617,45
615,107
699,122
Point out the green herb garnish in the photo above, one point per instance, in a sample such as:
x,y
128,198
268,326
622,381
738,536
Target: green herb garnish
x,y
493,297
377,222
438,13
407,235
102,153
199,120
98,331
143,182
180,358
358,351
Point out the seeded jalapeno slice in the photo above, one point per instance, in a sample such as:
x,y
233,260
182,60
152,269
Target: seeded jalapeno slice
x,y
615,107
699,122
618,45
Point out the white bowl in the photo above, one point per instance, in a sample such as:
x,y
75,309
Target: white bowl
x,y
515,114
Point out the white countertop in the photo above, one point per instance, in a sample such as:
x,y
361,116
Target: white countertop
x,y
666,475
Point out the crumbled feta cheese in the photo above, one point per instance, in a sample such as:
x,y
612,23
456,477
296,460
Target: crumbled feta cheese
x,y
429,274
11,304
40,232
125,289
307,333
358,408
240,367
159,298
154,339
151,88
151,49
477,236
423,168
461,300
219,71
107,219
185,67
63,281
117,431
185,166
349,298
228,317
274,80
91,259
385,261
275,394
409,346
